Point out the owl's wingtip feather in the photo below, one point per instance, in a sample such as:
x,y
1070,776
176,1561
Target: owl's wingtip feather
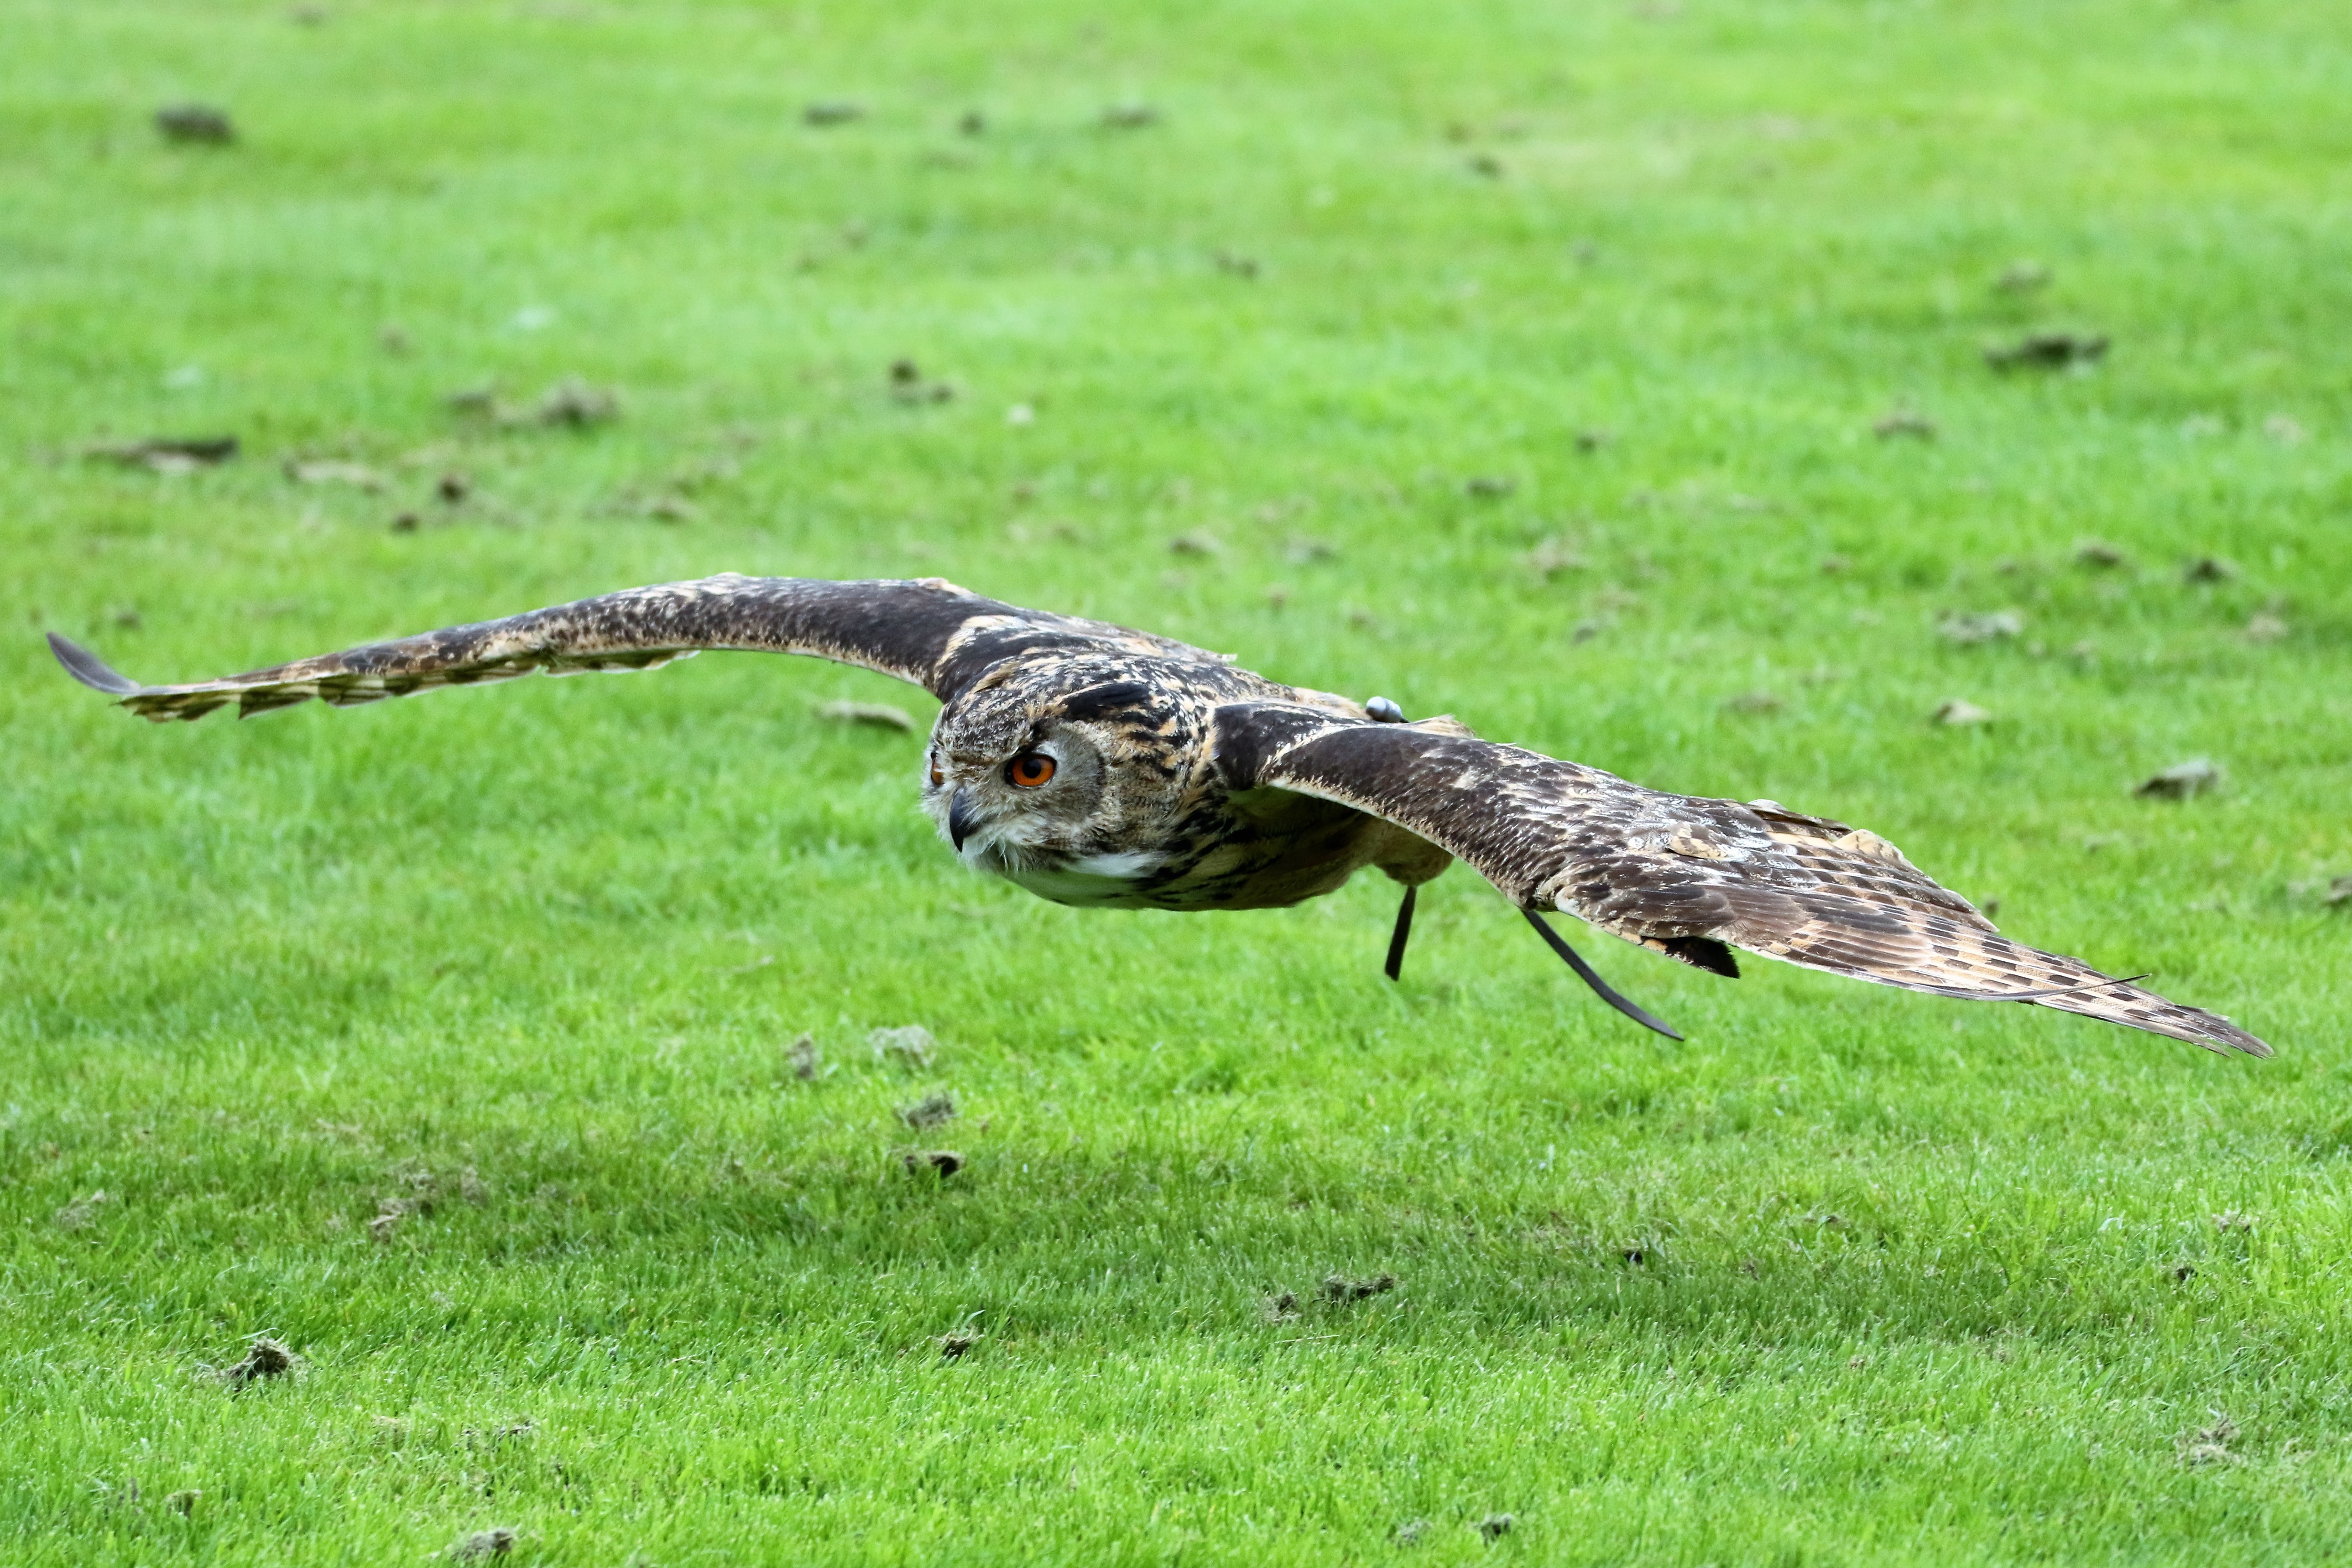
x,y
90,670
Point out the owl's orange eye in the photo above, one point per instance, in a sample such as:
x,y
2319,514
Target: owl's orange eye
x,y
1029,769
939,775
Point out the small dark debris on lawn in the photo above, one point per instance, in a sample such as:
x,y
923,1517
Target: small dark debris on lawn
x,y
452,487
1635,1256
2182,781
955,1346
2231,1219
2184,1272
946,1161
2022,277
1749,1267
1487,165
1238,265
1129,116
2209,569
1834,565
2099,554
907,1046
1967,627
1282,1307
803,1056
873,715
907,386
405,522
1904,422
1495,1526
2048,351
1195,544
2339,892
1410,1531
1305,551
1755,702
933,1111
165,454
265,1358
576,404
1594,439
81,1212
1489,487
1340,1288
1959,712
183,1503
393,338
834,111
127,616
486,1543
973,122
481,401
195,122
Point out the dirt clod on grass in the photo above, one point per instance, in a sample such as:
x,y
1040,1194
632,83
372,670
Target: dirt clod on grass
x,y
2182,781
2209,569
573,404
2184,1272
265,1358
946,1161
2210,1444
2339,892
195,123
955,1346
1968,628
1901,422
165,454
1410,1531
1489,487
1281,1307
183,1503
2231,1219
1129,116
1495,1526
872,715
2099,554
909,1046
803,1057
495,1542
1340,1288
81,1212
2048,351
1195,544
934,1112
834,111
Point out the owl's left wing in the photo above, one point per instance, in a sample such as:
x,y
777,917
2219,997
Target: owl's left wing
x,y
1680,874
927,631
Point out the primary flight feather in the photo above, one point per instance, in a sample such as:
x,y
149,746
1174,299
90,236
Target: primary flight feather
x,y
1096,765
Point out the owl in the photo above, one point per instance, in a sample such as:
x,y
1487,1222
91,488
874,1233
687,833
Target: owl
x,y
1101,767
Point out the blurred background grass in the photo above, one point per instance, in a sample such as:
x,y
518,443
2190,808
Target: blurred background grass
x,y
1524,361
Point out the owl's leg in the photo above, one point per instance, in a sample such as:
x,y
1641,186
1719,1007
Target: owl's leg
x,y
1586,972
1395,967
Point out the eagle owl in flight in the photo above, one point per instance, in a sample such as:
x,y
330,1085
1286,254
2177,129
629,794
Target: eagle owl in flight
x,y
1099,766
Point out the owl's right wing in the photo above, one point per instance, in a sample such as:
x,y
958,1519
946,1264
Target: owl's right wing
x,y
1683,875
927,631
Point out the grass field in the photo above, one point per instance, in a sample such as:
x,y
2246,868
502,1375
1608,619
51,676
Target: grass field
x,y
1518,361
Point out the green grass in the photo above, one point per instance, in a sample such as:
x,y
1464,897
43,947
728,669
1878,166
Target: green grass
x,y
1911,1276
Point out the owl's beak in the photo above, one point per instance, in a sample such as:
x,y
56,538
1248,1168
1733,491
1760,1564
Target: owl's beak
x,y
961,818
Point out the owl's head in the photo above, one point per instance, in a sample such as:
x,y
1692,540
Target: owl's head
x,y
1019,777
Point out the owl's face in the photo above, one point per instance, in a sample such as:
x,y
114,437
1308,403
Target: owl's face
x,y
1016,784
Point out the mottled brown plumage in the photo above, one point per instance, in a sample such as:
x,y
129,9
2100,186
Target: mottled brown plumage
x,y
1096,765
